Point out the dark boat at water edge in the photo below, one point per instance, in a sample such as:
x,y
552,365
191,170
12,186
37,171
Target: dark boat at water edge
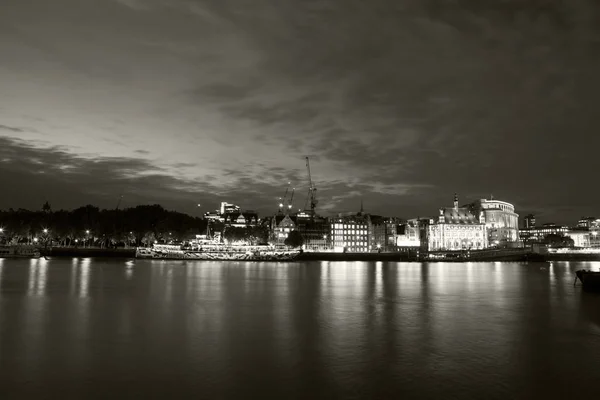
x,y
590,280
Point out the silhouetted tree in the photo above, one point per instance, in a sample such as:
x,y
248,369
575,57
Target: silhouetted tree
x,y
555,240
134,224
46,207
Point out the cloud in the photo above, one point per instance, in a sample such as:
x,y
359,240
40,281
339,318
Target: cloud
x,y
11,129
403,101
136,4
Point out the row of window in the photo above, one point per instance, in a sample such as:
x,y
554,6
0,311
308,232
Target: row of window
x,y
351,226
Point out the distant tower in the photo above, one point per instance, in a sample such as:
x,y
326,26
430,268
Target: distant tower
x,y
530,221
455,201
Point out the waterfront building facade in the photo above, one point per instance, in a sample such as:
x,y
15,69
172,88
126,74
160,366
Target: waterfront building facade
x,y
581,238
315,232
280,227
529,221
537,235
457,228
383,233
350,232
408,234
232,215
241,219
501,221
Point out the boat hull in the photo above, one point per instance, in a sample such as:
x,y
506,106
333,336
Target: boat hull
x,y
218,256
20,251
590,280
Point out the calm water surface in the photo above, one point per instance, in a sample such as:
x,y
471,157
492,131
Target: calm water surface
x,y
84,329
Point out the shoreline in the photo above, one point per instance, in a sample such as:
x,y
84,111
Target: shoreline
x,y
310,256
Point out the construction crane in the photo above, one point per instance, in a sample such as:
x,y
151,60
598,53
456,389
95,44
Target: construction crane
x,y
312,192
283,199
119,203
291,203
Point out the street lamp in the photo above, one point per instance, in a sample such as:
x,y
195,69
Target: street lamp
x,y
45,230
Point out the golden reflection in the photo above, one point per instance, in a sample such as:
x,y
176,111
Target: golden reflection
x,y
38,271
84,277
42,278
498,277
379,279
470,275
441,276
32,274
168,283
1,269
129,269
72,287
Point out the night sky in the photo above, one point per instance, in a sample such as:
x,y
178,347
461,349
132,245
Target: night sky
x,y
400,103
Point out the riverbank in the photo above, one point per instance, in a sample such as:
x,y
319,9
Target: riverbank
x,y
87,252
487,256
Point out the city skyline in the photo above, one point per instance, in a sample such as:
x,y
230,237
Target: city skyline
x,y
398,103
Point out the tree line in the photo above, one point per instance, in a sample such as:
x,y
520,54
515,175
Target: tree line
x,y
90,226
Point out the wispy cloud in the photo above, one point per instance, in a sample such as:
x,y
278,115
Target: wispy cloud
x,y
404,101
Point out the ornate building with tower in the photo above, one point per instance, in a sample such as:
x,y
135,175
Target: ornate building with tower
x,y
501,221
457,228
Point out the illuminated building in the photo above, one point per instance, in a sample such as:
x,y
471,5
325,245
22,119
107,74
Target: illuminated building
x,y
281,226
457,228
529,221
580,238
315,232
232,215
350,232
591,223
241,219
228,208
384,233
537,235
501,221
408,234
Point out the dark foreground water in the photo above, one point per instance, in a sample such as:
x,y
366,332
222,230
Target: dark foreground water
x,y
86,329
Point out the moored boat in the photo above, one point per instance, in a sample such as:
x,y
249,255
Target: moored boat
x,y
19,251
590,280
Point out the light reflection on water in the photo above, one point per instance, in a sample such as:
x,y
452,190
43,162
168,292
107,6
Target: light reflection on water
x,y
297,330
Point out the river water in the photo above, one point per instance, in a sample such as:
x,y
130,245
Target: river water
x,y
97,328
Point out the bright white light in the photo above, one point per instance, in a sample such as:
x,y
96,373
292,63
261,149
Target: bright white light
x,y
35,239
1,230
45,230
87,231
76,240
